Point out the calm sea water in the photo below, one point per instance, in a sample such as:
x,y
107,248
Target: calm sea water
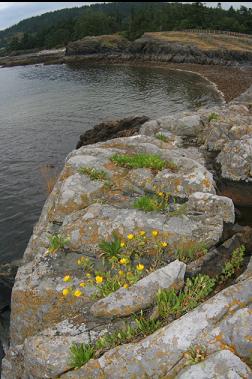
x,y
44,109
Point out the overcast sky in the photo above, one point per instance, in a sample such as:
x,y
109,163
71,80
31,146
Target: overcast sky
x,y
13,12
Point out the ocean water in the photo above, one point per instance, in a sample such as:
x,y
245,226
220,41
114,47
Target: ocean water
x,y
44,109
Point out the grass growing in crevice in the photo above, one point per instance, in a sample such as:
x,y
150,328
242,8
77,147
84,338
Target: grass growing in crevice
x,y
142,160
81,354
195,354
233,264
111,248
213,117
161,137
169,304
149,203
56,242
189,251
93,173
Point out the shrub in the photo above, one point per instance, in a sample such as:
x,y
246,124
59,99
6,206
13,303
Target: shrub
x,y
233,264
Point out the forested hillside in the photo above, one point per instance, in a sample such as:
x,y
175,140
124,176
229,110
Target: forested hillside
x,y
132,19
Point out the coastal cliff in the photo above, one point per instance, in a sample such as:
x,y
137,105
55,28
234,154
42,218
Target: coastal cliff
x,y
131,221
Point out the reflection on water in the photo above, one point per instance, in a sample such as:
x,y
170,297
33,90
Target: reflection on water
x,y
44,109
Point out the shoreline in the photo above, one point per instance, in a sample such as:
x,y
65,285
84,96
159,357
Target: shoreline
x,y
229,81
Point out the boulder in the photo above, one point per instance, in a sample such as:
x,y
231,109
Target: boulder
x,y
141,295
222,365
161,353
236,160
112,129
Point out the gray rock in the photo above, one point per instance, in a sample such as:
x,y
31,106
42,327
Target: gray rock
x,y
236,160
213,205
160,354
221,365
141,295
86,228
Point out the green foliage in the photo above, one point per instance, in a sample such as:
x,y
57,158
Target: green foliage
x,y
190,250
80,354
112,248
233,264
152,203
161,137
142,160
93,173
57,242
142,327
213,117
196,289
130,19
195,354
146,326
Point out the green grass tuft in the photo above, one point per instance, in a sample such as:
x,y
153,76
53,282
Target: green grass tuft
x,y
152,203
112,248
189,251
56,242
93,173
213,117
161,137
142,160
80,354
196,289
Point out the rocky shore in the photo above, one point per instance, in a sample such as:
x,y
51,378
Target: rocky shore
x,y
188,242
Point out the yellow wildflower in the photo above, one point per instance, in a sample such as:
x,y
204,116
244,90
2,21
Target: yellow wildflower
x,y
98,279
88,275
79,262
160,194
164,244
65,291
121,273
142,232
140,267
130,236
122,244
82,284
77,293
125,285
154,233
67,278
123,261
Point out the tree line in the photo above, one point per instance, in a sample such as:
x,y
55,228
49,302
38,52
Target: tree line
x,y
131,19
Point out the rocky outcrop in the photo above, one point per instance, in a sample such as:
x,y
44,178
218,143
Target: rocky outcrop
x,y
162,353
141,295
160,47
85,209
106,44
112,129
